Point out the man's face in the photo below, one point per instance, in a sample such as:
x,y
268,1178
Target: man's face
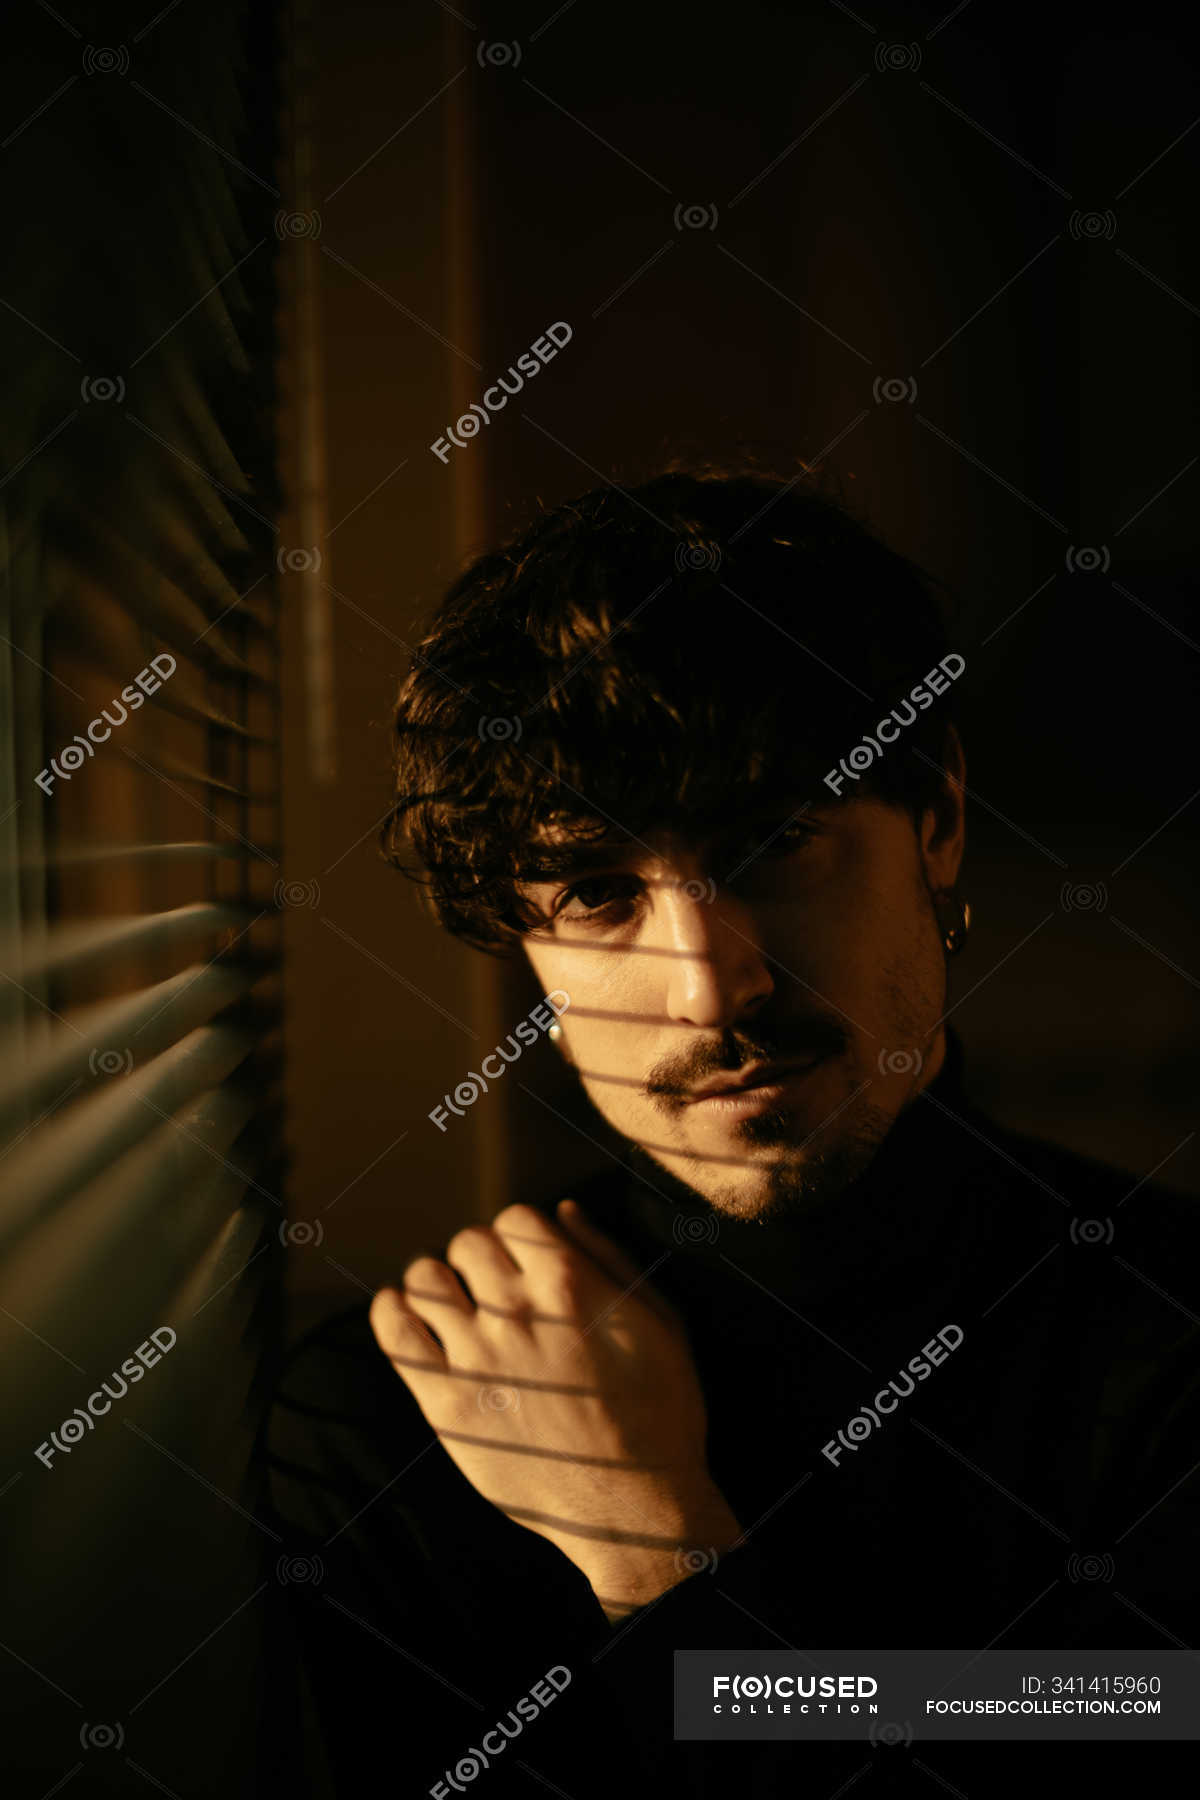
x,y
688,963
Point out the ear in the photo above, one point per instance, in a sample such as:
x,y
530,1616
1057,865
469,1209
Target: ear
x,y
942,832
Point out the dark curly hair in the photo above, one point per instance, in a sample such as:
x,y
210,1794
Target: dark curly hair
x,y
672,654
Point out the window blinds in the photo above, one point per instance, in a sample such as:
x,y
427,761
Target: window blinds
x,y
140,1110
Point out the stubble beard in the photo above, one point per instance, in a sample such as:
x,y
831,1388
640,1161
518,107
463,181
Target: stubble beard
x,y
796,1184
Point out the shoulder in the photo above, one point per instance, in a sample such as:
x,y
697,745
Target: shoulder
x,y
1121,1271
1103,1203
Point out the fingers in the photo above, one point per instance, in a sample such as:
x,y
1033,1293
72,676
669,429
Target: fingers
x,y
405,1339
486,1266
527,1235
559,1270
572,1282
526,1267
434,1293
428,1278
616,1263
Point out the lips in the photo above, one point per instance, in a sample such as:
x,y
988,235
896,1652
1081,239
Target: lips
x,y
754,1075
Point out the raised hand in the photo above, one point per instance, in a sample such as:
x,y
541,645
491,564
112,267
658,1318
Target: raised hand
x,y
562,1384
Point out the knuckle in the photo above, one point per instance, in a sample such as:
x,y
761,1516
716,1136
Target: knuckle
x,y
520,1309
563,1281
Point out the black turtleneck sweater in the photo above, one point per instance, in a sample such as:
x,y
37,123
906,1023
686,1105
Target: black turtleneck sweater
x,y
1040,1488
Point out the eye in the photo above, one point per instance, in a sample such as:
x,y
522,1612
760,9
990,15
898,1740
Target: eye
x,y
601,899
768,852
769,838
794,836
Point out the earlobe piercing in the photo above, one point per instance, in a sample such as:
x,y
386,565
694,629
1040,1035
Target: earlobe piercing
x,y
955,935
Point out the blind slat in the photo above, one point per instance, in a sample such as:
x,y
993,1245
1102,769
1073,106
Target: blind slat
x,y
73,856
100,641
148,594
177,771
91,1133
85,945
94,1042
177,1194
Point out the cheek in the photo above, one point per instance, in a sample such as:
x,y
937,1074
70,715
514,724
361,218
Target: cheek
x,y
847,944
613,1006
615,1029
623,1014
900,980
826,940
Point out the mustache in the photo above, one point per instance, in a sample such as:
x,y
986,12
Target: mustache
x,y
734,1049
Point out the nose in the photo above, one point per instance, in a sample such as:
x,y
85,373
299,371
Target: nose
x,y
716,972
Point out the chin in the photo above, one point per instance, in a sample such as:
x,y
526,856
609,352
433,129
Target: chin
x,y
799,1186
754,1207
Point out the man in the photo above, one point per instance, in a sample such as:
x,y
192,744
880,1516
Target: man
x,y
825,1359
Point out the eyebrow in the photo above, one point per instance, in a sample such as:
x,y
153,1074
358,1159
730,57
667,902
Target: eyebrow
x,y
574,857
554,862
